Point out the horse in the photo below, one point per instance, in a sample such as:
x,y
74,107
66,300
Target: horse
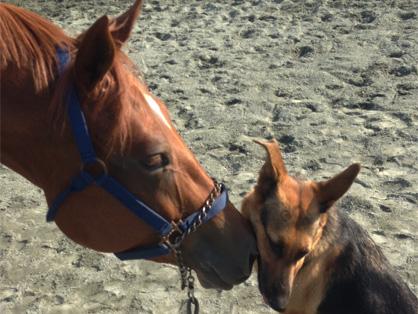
x,y
133,137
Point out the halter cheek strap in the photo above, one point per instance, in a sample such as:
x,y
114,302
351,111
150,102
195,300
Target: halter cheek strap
x,y
171,233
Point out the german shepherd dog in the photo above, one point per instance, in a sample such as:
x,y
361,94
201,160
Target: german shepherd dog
x,y
314,258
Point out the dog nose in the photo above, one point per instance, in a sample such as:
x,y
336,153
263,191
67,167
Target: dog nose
x,y
281,303
277,304
253,257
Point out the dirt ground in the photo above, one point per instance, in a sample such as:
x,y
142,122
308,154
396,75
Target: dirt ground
x,y
335,82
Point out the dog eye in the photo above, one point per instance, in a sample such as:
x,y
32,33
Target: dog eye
x,y
323,207
263,217
277,247
301,254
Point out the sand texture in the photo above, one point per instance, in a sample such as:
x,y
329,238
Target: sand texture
x,y
335,82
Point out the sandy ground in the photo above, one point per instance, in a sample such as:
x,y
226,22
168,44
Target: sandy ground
x,y
333,82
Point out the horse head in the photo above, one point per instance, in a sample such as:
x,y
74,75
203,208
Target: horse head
x,y
133,136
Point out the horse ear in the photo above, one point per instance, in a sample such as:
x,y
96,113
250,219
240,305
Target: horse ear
x,y
273,170
121,27
95,55
330,191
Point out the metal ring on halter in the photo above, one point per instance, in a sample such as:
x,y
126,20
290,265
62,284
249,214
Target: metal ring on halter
x,y
174,238
93,162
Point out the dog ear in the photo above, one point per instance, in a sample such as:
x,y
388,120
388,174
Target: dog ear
x,y
121,26
331,190
273,170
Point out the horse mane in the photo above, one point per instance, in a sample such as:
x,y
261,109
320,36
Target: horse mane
x,y
30,41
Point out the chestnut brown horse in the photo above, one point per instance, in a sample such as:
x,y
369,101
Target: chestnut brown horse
x,y
131,132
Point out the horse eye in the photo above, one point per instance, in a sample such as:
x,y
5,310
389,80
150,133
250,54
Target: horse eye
x,y
156,161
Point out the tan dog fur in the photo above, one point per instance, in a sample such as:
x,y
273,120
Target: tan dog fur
x,y
295,221
313,258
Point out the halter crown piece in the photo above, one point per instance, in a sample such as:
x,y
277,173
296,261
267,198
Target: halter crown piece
x,y
172,233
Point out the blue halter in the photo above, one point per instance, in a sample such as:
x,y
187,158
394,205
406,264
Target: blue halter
x,y
172,233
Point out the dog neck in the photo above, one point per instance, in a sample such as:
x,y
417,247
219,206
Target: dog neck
x,y
311,281
328,245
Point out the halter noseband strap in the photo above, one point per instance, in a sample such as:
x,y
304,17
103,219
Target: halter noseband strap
x,y
172,233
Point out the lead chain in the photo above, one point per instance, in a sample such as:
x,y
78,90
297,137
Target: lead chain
x,y
192,302
182,268
187,279
203,212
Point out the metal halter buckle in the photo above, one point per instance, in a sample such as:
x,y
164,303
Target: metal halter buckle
x,y
174,238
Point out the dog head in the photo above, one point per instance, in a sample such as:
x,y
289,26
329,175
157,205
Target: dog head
x,y
288,217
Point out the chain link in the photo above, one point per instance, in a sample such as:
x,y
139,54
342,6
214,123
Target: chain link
x,y
204,210
192,300
200,218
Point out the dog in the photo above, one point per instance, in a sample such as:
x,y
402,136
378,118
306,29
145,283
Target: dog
x,y
313,258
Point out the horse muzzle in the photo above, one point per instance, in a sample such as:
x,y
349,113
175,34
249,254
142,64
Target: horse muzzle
x,y
222,251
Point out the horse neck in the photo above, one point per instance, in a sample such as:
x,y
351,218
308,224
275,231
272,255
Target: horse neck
x,y
28,142
28,45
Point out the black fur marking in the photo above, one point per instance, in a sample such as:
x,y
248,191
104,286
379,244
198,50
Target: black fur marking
x,y
363,282
264,217
276,247
323,207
